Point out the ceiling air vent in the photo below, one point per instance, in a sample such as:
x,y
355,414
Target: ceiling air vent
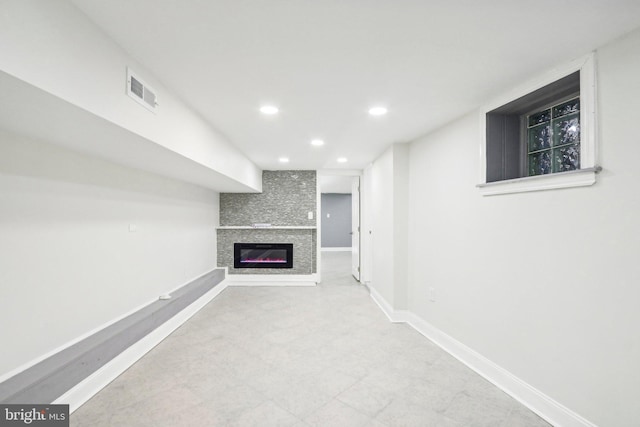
x,y
141,92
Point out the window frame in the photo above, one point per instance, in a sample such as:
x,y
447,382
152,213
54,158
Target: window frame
x,y
586,175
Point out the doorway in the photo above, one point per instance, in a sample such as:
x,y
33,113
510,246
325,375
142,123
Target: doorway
x,y
340,221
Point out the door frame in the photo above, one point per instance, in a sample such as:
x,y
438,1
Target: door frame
x,y
334,172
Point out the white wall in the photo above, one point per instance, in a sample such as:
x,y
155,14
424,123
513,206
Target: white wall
x,y
68,263
381,211
386,201
544,284
52,45
366,225
400,224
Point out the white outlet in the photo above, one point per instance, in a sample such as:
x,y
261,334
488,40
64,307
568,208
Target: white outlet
x,y
432,294
133,228
310,215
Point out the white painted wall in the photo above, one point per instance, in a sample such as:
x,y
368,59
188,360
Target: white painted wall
x,y
366,225
544,284
381,211
400,224
386,201
50,44
68,263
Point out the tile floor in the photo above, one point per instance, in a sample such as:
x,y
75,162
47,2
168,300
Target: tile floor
x,y
300,356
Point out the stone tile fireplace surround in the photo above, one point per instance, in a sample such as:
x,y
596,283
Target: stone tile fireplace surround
x,y
285,202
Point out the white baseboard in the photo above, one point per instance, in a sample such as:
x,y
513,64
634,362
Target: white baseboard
x,y
272,279
86,389
395,316
543,405
347,249
271,283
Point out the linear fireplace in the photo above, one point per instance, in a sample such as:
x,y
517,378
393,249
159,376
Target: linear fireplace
x,y
263,255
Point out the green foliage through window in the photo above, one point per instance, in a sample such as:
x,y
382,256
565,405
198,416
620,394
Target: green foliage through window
x,y
553,138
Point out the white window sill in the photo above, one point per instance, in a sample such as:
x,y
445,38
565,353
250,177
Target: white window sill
x,y
577,178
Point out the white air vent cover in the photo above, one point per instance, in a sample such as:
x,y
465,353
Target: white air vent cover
x,y
140,91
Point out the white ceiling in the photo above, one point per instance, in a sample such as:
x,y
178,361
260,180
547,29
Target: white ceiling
x,y
325,62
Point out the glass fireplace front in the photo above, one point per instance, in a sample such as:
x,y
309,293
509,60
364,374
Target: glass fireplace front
x,y
263,255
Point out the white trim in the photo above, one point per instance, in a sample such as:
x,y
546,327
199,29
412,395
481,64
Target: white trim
x,y
588,119
395,316
318,257
257,283
588,142
344,249
91,385
577,178
543,405
272,279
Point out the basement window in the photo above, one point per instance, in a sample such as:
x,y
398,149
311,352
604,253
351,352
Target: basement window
x,y
542,136
553,138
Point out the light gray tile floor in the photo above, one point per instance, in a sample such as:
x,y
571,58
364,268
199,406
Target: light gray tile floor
x,y
300,356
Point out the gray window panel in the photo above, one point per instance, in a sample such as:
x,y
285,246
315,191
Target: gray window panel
x,y
507,143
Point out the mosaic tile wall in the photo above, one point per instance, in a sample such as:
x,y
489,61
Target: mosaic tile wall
x,y
304,249
287,198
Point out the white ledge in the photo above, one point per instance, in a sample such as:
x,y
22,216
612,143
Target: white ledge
x,y
282,227
577,178
272,279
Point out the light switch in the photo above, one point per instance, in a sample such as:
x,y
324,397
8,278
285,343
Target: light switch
x,y
310,215
133,228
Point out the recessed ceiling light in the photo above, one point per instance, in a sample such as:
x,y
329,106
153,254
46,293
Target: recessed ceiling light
x,y
342,160
283,160
317,142
377,111
269,109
